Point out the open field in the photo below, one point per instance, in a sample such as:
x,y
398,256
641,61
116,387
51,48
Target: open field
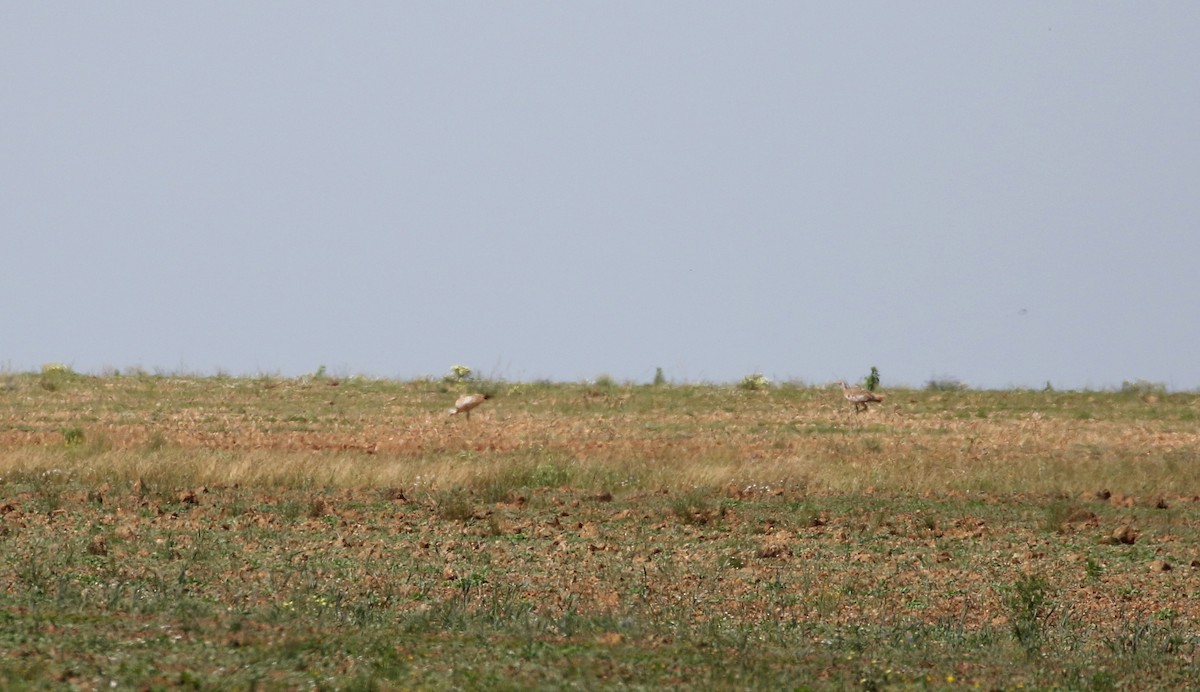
x,y
215,532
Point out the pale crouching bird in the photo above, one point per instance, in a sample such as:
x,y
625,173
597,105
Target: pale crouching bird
x,y
861,398
466,402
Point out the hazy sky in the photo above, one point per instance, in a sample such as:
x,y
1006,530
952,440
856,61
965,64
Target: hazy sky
x,y
1006,193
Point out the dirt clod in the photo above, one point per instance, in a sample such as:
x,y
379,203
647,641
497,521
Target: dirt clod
x,y
1125,534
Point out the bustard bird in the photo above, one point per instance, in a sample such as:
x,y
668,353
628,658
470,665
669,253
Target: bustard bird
x,y
861,398
466,402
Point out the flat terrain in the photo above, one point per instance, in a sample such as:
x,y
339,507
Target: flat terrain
x,y
213,532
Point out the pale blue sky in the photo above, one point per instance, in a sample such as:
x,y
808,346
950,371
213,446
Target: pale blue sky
x,y
1006,193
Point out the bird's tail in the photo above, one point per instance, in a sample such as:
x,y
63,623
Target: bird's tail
x,y
452,411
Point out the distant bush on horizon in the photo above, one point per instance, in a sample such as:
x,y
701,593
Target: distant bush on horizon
x,y
1143,388
943,383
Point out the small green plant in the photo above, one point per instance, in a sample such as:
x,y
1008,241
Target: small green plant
x,y
873,379
54,375
459,373
754,382
659,378
73,437
1029,610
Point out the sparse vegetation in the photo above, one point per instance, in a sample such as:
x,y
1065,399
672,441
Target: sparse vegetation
x,y
754,382
454,505
872,381
604,382
164,531
944,383
695,506
1029,610
1142,388
55,375
459,374
73,436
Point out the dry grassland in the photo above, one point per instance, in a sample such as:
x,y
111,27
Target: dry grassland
x,y
361,433
216,532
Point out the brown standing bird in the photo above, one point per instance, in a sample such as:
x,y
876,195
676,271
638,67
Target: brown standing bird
x,y
859,397
466,402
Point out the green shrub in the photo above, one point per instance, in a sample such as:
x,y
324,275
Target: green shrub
x,y
459,373
73,437
754,382
1029,610
54,376
873,379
